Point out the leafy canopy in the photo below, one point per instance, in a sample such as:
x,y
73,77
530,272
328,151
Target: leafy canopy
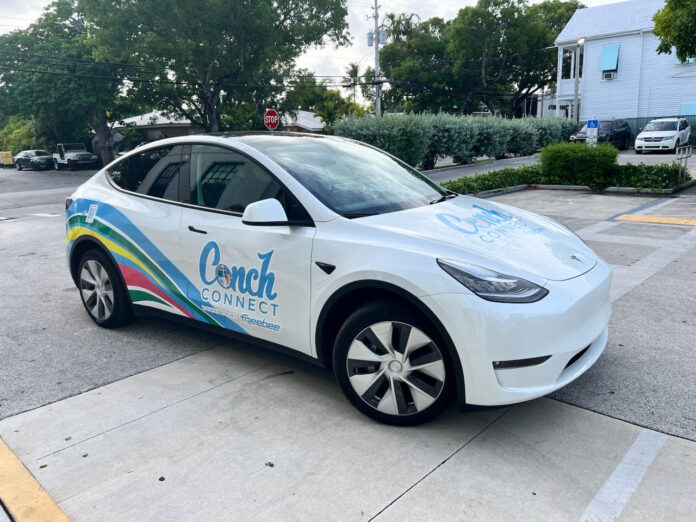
x,y
675,25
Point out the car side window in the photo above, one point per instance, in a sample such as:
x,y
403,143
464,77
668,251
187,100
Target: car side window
x,y
223,179
154,172
683,125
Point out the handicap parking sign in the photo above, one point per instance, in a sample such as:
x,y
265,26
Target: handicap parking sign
x,y
592,132
592,124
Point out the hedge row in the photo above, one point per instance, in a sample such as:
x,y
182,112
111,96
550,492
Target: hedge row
x,y
420,139
576,164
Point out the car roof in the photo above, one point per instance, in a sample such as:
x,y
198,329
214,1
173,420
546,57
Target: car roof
x,y
666,119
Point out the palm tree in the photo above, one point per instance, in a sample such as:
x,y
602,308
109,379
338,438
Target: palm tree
x,y
352,78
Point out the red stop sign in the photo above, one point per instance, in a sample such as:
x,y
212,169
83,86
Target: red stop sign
x,y
271,119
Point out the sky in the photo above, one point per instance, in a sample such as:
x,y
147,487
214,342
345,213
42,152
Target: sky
x,y
327,61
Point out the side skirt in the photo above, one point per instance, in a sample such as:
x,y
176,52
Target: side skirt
x,y
146,311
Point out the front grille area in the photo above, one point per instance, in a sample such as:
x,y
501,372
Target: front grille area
x,y
575,357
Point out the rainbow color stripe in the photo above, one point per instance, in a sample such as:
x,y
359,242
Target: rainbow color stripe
x,y
152,279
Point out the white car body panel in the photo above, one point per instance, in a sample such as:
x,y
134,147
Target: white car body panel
x,y
663,140
168,266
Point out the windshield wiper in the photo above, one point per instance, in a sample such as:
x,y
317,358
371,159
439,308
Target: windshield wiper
x,y
444,198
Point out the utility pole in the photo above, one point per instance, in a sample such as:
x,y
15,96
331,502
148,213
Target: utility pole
x,y
378,85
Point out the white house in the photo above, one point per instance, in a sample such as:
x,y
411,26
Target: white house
x,y
620,73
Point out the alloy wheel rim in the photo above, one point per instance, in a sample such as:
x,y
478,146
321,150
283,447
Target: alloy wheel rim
x,y
97,290
395,368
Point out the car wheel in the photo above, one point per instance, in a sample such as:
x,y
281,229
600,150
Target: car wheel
x,y
639,151
18,165
676,145
71,167
103,294
391,364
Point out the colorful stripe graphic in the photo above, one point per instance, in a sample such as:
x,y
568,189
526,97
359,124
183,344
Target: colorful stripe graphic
x,y
152,279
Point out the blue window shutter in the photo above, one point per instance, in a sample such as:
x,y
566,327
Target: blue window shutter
x,y
610,57
688,109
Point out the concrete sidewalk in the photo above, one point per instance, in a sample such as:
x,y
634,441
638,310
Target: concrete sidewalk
x,y
231,434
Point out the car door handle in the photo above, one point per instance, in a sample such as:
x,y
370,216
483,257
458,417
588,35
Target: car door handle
x,y
197,230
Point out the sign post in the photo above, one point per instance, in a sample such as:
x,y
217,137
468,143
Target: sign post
x,y
592,132
271,119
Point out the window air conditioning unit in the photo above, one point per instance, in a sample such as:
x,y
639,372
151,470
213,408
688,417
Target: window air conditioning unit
x,y
608,75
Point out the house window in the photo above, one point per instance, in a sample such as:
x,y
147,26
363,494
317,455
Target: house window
x,y
610,57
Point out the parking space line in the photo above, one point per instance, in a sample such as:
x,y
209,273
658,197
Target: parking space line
x,y
664,220
21,494
610,500
641,207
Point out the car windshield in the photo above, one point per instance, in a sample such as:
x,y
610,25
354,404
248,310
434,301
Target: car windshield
x,y
35,153
661,126
351,179
74,146
604,126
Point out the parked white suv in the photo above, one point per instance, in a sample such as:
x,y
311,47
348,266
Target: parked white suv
x,y
663,134
343,255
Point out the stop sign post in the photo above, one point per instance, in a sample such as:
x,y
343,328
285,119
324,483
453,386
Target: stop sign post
x,y
271,119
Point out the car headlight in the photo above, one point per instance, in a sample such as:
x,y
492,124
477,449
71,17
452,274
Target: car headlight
x,y
493,286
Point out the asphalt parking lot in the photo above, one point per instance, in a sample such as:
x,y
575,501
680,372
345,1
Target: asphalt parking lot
x,y
154,421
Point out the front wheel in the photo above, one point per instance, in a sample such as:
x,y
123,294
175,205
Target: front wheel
x,y
676,145
103,295
391,364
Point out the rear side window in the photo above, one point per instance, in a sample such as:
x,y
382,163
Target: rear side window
x,y
227,180
153,172
684,125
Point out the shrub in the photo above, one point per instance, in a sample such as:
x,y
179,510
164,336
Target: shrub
x,y
496,179
578,164
665,175
452,135
523,137
492,136
406,136
552,130
20,134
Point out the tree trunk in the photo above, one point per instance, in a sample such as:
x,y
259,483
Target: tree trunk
x,y
103,133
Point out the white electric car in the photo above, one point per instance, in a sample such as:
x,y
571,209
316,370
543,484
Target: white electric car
x,y
340,253
663,134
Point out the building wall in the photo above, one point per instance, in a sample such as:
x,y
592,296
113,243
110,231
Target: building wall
x,y
647,84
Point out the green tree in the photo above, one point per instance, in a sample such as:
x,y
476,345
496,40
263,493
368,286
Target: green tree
x,y
675,25
217,53
20,134
51,78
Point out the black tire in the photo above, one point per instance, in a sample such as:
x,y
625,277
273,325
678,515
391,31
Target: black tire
x,y
676,145
18,165
403,388
114,291
639,151
71,166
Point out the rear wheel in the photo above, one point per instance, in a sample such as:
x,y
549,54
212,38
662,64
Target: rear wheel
x,y
18,165
391,364
103,295
71,165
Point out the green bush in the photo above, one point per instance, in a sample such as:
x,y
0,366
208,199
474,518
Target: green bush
x,y
523,138
406,136
578,164
452,135
492,136
494,180
642,176
20,134
552,130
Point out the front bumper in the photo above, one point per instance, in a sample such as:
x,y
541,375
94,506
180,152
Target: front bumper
x,y
654,145
572,318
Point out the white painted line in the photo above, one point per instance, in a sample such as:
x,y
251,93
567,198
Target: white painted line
x,y
45,215
617,490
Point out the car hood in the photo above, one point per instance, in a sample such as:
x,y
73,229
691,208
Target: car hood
x,y
493,235
657,134
42,157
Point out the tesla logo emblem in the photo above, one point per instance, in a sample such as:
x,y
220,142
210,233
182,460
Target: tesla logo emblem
x,y
576,257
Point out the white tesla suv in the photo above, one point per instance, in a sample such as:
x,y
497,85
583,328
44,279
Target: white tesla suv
x,y
344,255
